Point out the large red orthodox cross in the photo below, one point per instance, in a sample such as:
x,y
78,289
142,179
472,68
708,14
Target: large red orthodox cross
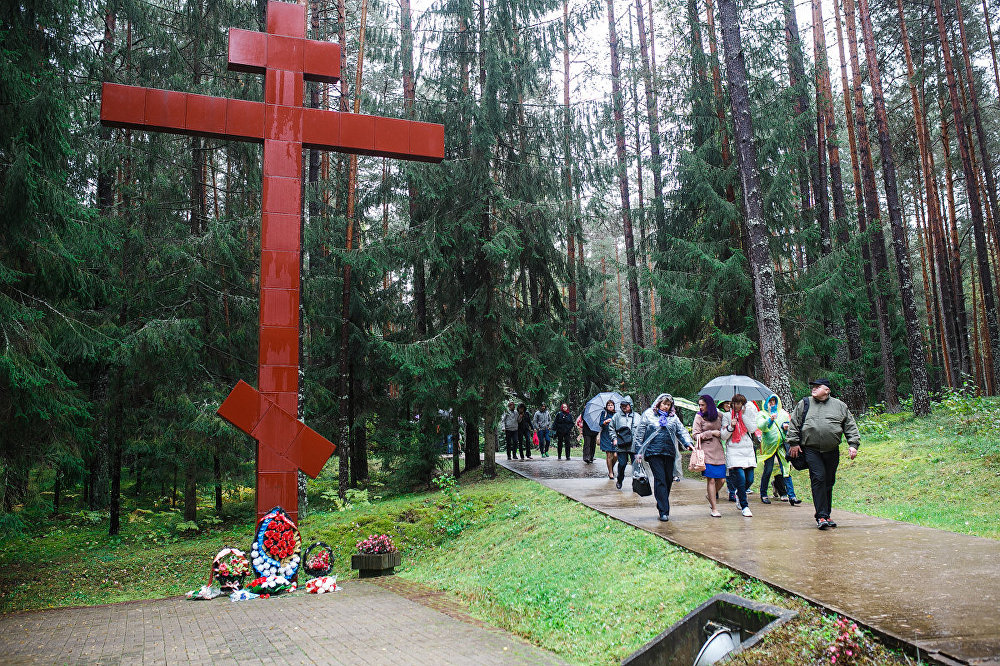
x,y
286,59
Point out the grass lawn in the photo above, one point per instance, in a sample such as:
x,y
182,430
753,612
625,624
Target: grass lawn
x,y
942,471
520,556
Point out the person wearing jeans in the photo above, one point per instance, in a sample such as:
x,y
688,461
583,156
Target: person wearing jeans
x,y
772,421
542,422
815,431
737,424
624,424
657,438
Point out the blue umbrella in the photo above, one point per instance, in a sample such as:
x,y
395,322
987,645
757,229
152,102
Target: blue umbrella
x,y
594,406
724,388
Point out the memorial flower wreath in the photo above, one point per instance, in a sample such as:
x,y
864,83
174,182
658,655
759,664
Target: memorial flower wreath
x,y
275,551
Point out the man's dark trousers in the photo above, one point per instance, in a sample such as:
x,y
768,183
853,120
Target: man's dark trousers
x,y
511,442
822,475
589,445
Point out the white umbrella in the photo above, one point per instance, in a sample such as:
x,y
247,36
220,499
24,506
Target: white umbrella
x,y
724,388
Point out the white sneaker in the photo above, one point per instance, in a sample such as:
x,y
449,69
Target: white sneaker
x,y
747,513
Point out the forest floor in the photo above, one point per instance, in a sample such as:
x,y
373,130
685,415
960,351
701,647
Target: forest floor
x,y
523,557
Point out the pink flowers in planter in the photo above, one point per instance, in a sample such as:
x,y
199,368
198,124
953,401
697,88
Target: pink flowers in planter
x,y
376,544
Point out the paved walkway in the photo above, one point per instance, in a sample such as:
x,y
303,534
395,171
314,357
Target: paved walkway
x,y
364,624
937,590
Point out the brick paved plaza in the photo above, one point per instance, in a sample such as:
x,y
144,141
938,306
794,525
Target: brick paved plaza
x,y
364,624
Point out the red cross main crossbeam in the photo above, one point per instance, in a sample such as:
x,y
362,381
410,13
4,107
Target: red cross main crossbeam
x,y
287,59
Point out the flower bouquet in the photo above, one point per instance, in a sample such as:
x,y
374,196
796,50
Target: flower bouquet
x,y
320,562
322,585
230,567
268,585
275,551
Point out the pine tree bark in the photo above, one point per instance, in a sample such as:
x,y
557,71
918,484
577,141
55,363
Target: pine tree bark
x,y
914,342
813,191
568,179
653,117
857,394
873,217
772,347
344,425
409,97
972,193
720,110
619,122
984,152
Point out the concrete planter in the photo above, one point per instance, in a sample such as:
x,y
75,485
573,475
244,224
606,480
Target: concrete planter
x,y
369,566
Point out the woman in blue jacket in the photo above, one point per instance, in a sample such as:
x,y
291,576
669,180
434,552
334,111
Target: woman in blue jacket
x,y
658,437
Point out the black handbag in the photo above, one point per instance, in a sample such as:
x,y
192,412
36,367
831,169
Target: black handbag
x,y
799,461
640,482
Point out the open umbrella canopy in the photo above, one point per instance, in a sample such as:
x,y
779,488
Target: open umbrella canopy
x,y
592,410
685,404
724,388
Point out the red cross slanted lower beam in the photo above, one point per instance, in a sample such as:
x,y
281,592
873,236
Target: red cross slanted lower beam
x,y
287,60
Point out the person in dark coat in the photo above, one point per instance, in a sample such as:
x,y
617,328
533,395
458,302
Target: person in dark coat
x,y
589,439
657,439
564,430
523,432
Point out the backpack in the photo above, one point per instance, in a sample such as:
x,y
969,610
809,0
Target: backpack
x,y
799,461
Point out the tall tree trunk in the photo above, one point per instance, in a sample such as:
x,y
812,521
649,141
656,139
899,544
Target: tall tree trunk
x,y
472,459
765,295
568,178
940,270
409,96
809,174
993,47
972,192
914,342
866,262
619,118
984,153
857,394
720,110
345,305
873,217
217,476
190,490
653,116
958,283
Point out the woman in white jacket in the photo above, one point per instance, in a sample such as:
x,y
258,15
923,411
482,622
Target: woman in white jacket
x,y
737,424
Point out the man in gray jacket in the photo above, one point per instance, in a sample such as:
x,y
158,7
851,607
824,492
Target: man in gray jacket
x,y
510,431
816,428
542,422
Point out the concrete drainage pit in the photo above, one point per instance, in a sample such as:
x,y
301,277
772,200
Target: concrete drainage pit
x,y
722,626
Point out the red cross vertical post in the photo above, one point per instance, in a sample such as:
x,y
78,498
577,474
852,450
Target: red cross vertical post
x,y
287,59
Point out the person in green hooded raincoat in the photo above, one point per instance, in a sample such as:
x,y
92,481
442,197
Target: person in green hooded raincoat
x,y
772,421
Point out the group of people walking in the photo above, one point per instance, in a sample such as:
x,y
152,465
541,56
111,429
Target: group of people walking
x,y
520,430
725,433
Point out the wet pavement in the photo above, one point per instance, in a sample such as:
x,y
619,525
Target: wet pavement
x,y
936,590
367,623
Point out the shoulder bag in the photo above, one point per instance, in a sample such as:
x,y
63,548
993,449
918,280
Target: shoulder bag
x,y
697,462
